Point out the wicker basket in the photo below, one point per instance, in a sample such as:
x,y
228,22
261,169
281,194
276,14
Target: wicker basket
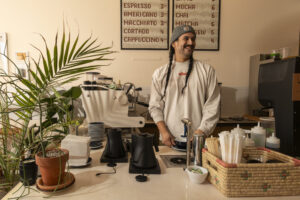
x,y
254,179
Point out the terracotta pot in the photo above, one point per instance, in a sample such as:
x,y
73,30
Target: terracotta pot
x,y
52,168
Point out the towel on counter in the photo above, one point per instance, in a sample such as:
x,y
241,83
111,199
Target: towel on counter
x,y
79,149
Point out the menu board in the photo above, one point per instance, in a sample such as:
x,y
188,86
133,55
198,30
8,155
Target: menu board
x,y
144,24
204,17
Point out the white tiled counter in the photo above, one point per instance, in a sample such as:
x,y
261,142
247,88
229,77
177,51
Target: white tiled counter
x,y
171,184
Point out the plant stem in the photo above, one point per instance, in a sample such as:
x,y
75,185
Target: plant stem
x,y
41,127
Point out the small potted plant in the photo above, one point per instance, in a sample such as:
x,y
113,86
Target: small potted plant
x,y
59,117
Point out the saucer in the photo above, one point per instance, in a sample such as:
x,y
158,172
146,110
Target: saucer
x,y
89,161
96,145
69,179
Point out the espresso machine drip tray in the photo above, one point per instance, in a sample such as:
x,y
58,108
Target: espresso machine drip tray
x,y
174,160
136,170
106,159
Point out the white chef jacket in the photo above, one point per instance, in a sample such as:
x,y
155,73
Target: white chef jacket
x,y
200,101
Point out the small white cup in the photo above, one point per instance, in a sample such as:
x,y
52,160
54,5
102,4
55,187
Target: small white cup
x,y
196,177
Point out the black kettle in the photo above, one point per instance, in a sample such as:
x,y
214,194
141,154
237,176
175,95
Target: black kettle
x,y
114,147
142,153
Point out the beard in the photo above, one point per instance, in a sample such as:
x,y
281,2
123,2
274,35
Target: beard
x,y
187,50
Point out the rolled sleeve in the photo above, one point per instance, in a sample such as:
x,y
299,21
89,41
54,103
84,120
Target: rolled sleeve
x,y
156,103
211,108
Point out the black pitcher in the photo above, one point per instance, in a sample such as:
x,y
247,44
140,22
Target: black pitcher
x,y
114,147
142,151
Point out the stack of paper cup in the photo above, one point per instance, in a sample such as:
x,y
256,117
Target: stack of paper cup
x,y
97,133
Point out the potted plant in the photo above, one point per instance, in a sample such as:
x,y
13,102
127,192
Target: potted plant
x,y
11,148
68,60
58,119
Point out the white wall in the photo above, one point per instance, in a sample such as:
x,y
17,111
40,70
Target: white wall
x,y
247,27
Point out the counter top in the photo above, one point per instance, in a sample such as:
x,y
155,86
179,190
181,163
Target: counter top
x,y
228,120
171,184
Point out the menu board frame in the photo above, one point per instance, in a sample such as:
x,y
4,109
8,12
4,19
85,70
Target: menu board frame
x,y
166,25
218,23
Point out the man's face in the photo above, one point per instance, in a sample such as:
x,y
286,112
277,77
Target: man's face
x,y
184,46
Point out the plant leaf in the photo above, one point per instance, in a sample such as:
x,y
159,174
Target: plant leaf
x,y
73,92
87,47
46,70
25,98
73,48
55,54
34,89
49,61
36,78
82,46
43,77
67,49
62,46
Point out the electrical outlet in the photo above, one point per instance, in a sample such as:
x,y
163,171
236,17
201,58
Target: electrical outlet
x,y
22,55
22,61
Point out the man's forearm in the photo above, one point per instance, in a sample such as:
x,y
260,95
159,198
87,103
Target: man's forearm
x,y
161,125
167,137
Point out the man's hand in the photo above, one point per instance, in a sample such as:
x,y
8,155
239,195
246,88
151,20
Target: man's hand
x,y
167,137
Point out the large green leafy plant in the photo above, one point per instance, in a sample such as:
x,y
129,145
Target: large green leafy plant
x,y
56,116
11,147
38,97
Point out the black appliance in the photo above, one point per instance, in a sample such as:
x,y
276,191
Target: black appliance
x,y
143,158
279,88
114,151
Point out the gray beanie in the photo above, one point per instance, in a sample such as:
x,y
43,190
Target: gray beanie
x,y
179,30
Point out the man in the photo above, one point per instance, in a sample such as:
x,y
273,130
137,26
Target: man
x,y
184,88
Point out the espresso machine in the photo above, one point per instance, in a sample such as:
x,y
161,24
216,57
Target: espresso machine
x,y
279,88
110,107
